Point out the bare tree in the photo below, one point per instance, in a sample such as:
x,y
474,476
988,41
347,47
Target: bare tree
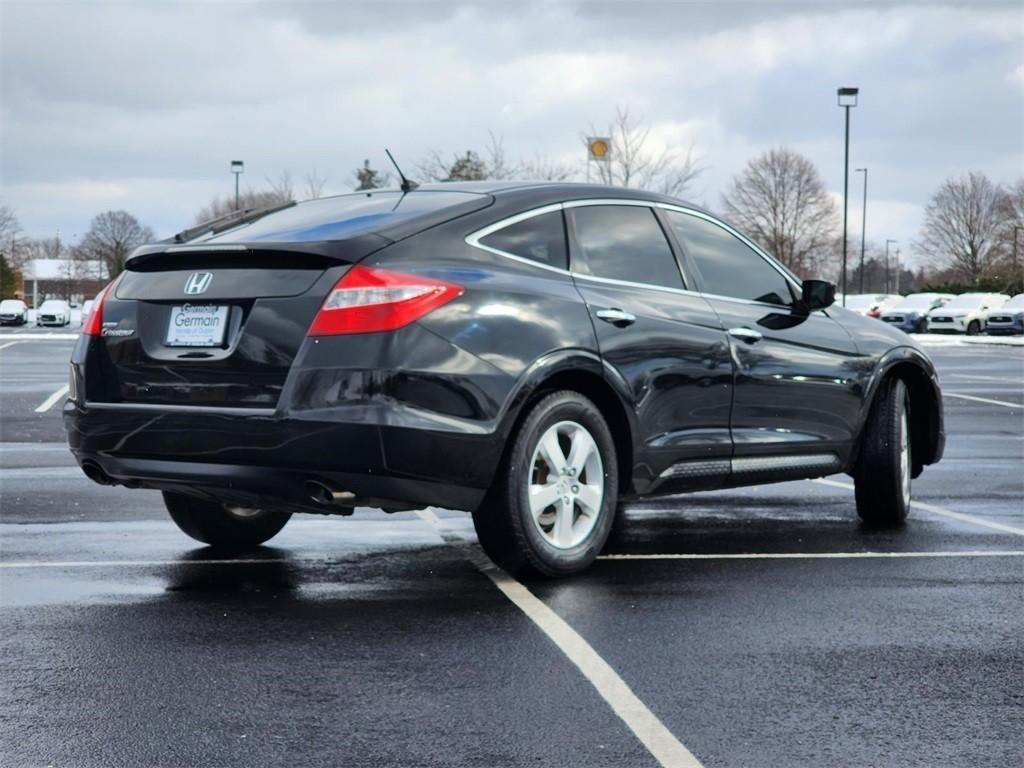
x,y
111,238
315,184
492,163
13,247
249,198
781,202
543,169
1010,240
962,222
465,167
370,178
632,162
281,187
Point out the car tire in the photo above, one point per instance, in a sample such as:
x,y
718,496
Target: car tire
x,y
973,328
883,477
223,527
563,537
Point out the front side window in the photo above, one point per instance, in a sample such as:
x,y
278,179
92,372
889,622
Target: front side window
x,y
539,238
728,266
624,242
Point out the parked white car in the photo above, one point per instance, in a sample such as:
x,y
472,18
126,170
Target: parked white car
x,y
965,314
871,304
911,314
1007,319
13,312
53,312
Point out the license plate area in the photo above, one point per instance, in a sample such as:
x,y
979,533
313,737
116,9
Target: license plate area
x,y
197,325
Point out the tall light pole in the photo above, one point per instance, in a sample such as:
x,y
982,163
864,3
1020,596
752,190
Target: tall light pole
x,y
847,98
1017,228
863,223
237,168
887,264
896,270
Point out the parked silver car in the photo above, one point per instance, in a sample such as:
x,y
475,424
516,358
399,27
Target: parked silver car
x,y
1008,319
13,312
910,315
965,313
53,312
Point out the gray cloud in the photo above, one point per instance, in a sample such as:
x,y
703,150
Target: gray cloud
x,y
142,105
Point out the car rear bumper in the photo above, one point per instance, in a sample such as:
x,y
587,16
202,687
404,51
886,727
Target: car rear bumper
x,y
258,458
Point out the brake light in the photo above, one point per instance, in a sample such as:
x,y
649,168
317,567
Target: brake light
x,y
94,323
370,300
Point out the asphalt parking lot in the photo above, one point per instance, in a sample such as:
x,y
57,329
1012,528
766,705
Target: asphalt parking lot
x,y
755,627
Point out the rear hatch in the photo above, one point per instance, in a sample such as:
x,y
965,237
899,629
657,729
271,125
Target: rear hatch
x,y
219,320
208,329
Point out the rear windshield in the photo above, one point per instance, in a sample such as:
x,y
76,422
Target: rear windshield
x,y
331,218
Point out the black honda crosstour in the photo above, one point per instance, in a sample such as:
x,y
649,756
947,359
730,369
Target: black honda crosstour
x,y
532,353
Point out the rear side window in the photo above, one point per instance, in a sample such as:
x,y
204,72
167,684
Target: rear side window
x,y
624,242
728,266
539,238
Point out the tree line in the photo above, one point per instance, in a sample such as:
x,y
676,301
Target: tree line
x,y
971,234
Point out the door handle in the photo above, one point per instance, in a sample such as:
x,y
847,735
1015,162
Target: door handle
x,y
616,317
748,335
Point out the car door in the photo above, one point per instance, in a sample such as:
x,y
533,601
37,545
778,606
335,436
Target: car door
x,y
798,379
662,342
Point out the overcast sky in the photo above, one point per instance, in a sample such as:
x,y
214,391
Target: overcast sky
x,y
141,105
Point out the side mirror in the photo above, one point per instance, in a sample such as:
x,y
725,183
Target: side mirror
x,y
817,294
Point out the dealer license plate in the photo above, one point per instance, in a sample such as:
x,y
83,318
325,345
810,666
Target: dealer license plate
x,y
197,325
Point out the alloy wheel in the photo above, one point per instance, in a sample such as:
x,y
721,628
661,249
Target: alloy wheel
x,y
566,484
905,456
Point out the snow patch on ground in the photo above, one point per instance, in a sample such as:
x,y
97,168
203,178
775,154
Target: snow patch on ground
x,y
952,340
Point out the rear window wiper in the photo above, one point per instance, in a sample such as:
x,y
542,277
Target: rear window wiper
x,y
228,220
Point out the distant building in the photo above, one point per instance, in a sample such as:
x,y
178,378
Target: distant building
x,y
68,279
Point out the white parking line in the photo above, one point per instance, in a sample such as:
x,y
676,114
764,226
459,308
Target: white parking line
x,y
982,399
815,555
961,516
979,377
9,344
40,336
644,724
48,403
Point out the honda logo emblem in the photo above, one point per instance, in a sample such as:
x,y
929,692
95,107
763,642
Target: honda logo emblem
x,y
198,282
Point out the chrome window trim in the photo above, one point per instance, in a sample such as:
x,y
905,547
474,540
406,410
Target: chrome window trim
x,y
631,284
608,201
473,238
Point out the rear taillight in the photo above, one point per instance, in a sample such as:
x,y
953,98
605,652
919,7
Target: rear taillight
x,y
369,300
94,323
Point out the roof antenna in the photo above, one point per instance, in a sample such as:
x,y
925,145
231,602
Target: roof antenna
x,y
407,185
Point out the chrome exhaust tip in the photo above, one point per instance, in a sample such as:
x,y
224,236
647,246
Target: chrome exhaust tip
x,y
322,494
95,473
